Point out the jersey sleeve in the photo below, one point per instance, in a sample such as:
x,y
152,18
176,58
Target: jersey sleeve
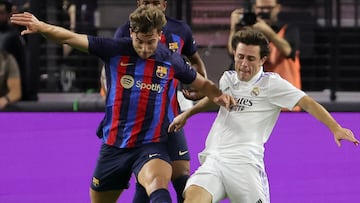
x,y
190,46
183,71
106,48
282,93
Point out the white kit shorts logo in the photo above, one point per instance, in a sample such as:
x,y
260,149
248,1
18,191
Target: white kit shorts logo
x,y
127,81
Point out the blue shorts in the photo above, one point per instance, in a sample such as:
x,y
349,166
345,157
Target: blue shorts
x,y
177,146
115,165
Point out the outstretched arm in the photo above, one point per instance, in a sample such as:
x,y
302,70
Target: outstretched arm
x,y
320,113
54,33
209,89
180,120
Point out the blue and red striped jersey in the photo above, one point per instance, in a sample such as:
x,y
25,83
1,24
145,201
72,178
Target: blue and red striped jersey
x,y
177,36
141,99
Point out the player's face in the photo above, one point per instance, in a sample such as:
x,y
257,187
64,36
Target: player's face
x,y
247,61
161,4
145,44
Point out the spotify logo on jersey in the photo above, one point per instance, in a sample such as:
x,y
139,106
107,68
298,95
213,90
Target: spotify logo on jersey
x,y
127,81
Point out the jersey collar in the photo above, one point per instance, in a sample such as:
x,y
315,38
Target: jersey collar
x,y
253,80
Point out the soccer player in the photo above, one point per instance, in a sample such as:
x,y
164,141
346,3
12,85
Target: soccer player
x,y
232,162
142,82
177,36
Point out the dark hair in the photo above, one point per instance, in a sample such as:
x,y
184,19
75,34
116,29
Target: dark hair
x,y
250,36
8,5
146,18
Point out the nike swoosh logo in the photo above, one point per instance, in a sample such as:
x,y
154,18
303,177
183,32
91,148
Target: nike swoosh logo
x,y
152,155
126,64
182,153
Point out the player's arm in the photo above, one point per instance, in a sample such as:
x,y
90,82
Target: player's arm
x,y
180,120
320,113
198,64
209,89
54,33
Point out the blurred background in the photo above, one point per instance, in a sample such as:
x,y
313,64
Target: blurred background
x,y
329,51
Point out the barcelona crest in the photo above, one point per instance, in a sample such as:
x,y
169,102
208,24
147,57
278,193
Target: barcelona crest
x,y
174,46
161,71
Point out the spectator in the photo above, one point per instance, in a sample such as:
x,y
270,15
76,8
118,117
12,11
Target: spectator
x,y
10,83
12,43
284,38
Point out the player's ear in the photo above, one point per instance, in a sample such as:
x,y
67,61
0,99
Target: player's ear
x,y
130,32
263,60
160,34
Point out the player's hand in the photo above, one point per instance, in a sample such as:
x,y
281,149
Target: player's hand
x,y
345,134
178,122
225,100
28,20
192,94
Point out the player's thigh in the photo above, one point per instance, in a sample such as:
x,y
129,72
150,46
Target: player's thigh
x,y
153,167
180,168
177,146
208,177
179,154
246,183
104,196
113,169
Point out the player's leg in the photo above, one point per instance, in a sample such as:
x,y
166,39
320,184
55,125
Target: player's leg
x,y
111,176
205,185
180,157
197,194
104,197
153,172
181,171
245,183
140,195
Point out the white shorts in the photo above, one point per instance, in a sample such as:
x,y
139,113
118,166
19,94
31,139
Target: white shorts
x,y
241,183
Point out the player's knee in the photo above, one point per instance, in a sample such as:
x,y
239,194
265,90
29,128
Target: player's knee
x,y
157,182
196,194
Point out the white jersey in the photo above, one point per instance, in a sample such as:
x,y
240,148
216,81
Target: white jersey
x,y
239,136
